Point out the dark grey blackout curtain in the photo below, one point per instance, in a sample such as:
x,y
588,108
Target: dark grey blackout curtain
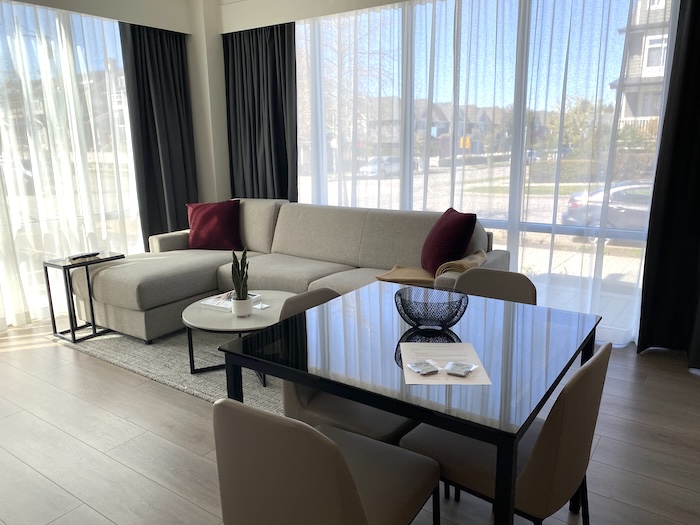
x,y
260,70
160,109
670,314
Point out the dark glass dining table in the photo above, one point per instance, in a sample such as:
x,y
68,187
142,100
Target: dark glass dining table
x,y
350,347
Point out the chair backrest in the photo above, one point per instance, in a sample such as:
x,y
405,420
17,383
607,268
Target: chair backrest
x,y
303,301
297,396
274,469
560,455
497,284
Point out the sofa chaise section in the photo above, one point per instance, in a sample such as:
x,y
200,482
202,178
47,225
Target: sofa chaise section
x,y
144,295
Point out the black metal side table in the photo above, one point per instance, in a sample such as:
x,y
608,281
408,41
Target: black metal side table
x,y
66,265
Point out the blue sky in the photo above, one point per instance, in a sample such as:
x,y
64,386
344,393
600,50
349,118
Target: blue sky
x,y
36,26
584,32
587,31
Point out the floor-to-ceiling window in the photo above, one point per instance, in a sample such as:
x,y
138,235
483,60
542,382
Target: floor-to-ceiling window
x,y
541,117
65,150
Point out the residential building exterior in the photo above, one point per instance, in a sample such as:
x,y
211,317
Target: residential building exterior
x,y
642,82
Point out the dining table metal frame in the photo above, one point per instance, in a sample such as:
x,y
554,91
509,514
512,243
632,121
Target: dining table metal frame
x,y
506,442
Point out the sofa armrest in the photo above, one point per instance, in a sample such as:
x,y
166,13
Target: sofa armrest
x,y
446,281
167,242
497,259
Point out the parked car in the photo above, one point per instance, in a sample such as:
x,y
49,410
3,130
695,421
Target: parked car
x,y
565,150
628,206
382,166
531,155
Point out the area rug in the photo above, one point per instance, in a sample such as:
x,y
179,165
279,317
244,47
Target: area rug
x,y
166,361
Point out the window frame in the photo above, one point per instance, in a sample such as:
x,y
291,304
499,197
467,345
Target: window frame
x,y
650,44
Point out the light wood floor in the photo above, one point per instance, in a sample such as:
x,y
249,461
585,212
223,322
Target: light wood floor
x,y
85,442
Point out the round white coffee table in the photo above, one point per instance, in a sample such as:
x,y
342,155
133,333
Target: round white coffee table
x,y
198,317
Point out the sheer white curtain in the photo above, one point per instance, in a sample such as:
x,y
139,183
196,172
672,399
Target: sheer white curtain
x,y
67,178
541,117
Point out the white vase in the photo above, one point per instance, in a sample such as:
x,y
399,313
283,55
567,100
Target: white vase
x,y
242,308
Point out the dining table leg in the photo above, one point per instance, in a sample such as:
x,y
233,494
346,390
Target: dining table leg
x,y
506,473
234,380
588,347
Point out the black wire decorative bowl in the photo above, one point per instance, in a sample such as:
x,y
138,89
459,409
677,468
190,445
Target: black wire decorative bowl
x,y
429,308
419,335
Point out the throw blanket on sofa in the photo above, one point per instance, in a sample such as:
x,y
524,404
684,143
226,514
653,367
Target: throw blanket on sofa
x,y
408,275
420,277
472,261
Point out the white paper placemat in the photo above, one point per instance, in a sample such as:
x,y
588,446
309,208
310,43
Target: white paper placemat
x,y
442,353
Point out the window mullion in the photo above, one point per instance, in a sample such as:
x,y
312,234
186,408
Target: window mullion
x,y
456,134
407,94
318,135
517,155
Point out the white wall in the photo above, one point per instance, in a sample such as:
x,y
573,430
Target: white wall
x,y
205,56
163,14
237,15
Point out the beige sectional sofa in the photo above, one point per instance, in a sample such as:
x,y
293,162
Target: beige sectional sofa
x,y
291,246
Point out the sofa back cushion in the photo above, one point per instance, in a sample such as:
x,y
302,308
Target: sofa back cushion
x,y
394,237
257,223
479,241
364,238
324,233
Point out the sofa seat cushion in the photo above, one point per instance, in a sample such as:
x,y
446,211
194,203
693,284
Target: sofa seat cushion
x,y
277,271
147,280
347,281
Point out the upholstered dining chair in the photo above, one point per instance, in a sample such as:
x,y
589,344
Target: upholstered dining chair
x,y
316,407
552,455
305,300
497,284
274,469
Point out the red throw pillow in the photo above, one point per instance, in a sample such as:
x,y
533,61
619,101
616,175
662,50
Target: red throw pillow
x,y
448,239
214,226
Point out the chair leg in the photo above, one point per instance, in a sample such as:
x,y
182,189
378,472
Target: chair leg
x,y
436,505
447,491
575,501
584,501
